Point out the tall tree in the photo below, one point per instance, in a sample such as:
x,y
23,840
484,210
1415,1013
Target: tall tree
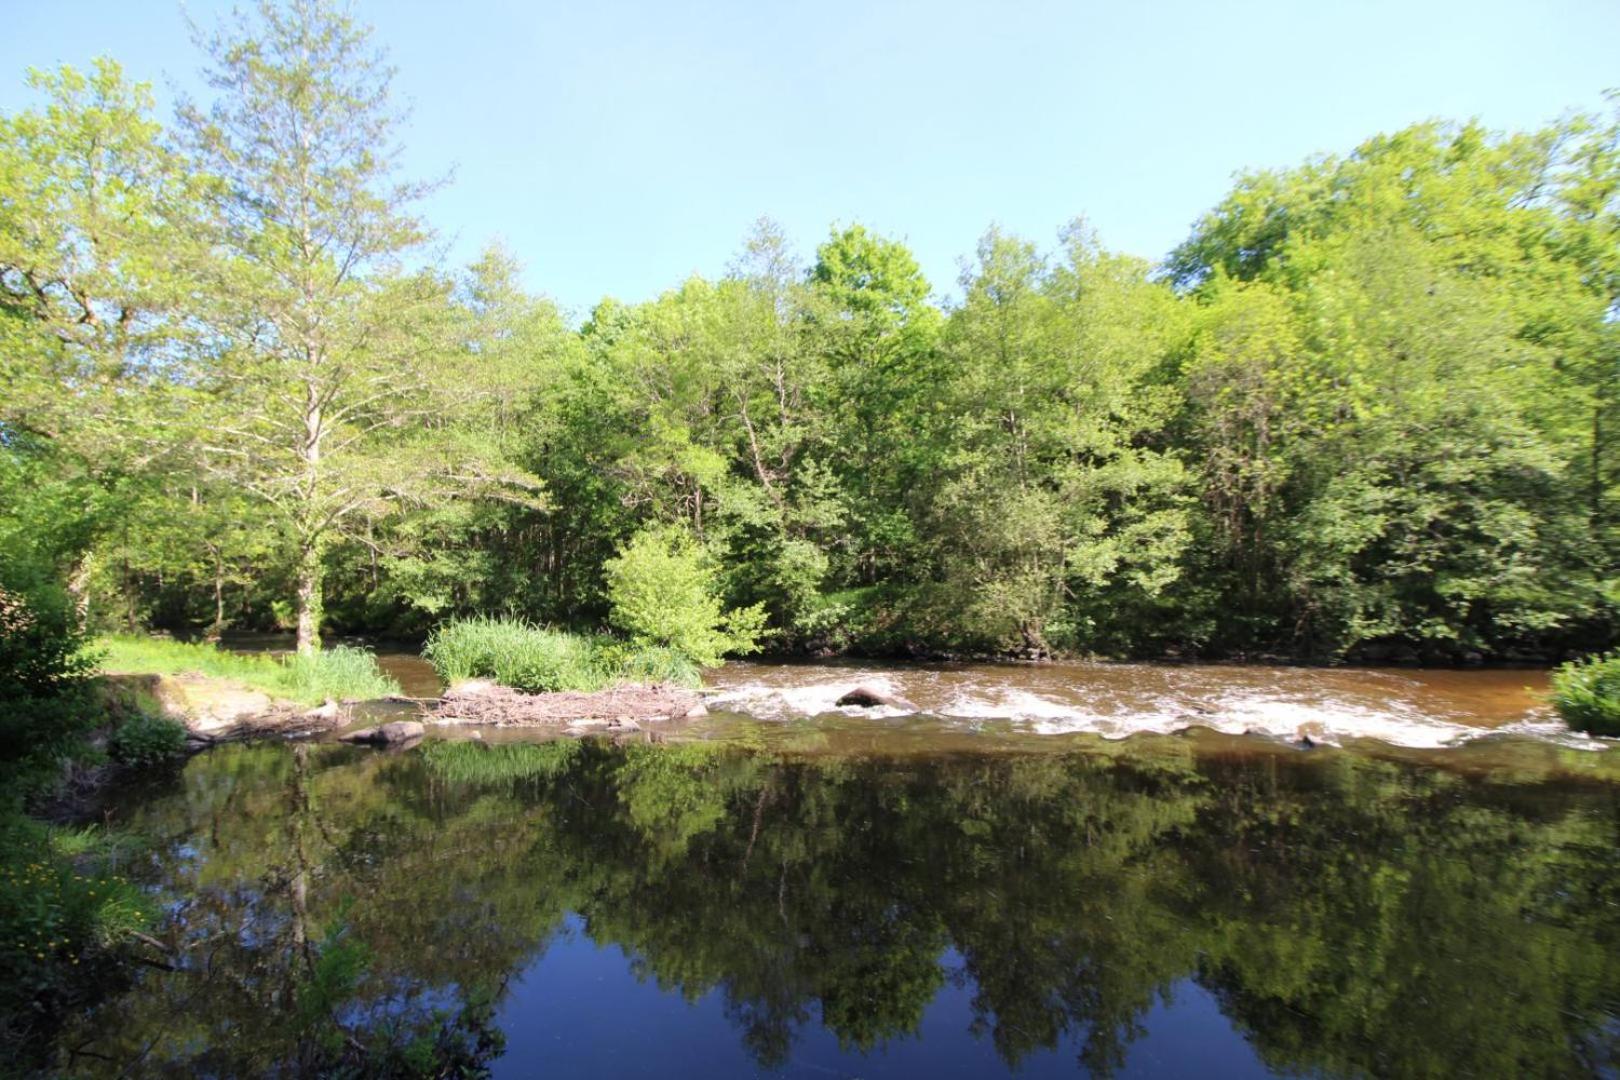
x,y
92,276
1053,496
873,325
330,361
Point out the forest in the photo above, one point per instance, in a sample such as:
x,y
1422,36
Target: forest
x,y
1367,410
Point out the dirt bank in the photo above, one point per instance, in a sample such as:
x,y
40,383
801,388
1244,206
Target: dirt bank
x,y
212,708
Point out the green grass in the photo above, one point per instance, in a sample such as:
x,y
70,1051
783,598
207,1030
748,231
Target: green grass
x,y
342,672
1586,694
537,659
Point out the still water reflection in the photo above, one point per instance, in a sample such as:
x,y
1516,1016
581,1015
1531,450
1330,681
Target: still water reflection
x,y
585,909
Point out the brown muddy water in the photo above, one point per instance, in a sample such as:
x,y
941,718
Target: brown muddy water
x,y
1413,708
1432,708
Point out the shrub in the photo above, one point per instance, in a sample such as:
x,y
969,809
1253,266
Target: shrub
x,y
44,691
1586,694
147,739
63,913
650,664
664,592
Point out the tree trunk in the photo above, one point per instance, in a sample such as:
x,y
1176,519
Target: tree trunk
x,y
309,596
79,588
310,534
217,631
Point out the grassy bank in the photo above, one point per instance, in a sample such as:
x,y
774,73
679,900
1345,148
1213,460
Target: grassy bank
x,y
537,659
342,673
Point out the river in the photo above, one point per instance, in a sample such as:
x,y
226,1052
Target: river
x,y
1408,707
999,883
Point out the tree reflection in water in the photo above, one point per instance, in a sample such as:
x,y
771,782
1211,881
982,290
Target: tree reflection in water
x,y
1351,916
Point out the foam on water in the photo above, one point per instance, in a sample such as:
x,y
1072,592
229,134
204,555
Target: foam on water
x,y
1280,712
1242,713
808,699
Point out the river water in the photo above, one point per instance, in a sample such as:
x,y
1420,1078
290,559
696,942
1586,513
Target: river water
x,y
996,883
1407,707
1161,906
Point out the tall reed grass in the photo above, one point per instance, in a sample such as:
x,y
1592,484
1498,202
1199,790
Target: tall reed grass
x,y
538,659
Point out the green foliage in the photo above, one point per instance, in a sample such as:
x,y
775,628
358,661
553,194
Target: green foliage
x,y
539,660
341,673
513,653
1586,694
640,663
146,739
665,592
64,913
1367,410
45,704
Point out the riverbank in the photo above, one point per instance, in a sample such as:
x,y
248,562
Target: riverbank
x,y
216,694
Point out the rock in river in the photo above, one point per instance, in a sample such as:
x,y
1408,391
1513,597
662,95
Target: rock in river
x,y
389,734
869,696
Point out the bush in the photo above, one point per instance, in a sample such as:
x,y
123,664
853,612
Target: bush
x,y
664,592
650,664
536,659
147,739
1586,694
63,913
45,703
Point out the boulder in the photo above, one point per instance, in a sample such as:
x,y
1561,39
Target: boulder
x,y
389,734
398,731
867,696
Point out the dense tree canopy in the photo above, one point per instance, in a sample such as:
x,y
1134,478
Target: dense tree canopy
x,y
1367,409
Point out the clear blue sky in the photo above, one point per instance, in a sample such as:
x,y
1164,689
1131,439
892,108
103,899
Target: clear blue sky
x,y
617,147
